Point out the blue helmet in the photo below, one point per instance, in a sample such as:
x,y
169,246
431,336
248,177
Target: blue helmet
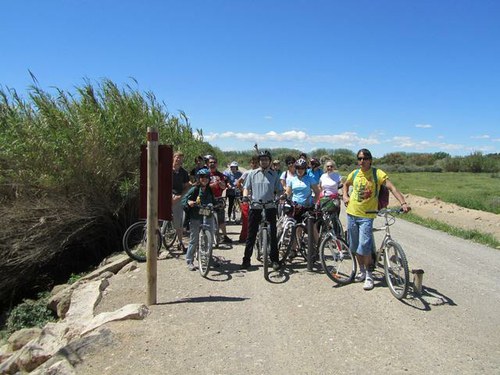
x,y
203,172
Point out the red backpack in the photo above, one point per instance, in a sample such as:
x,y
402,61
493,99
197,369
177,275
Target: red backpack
x,y
383,194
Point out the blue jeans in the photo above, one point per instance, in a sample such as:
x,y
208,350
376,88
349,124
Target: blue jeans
x,y
360,234
194,227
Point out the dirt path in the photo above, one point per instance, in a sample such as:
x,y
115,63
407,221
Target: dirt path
x,y
235,322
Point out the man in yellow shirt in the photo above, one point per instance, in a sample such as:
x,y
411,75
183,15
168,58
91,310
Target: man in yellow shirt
x,y
363,198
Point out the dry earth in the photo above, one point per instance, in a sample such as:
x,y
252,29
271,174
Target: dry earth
x,y
454,215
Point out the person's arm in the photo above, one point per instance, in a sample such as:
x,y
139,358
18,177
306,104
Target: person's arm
x,y
345,191
397,194
317,192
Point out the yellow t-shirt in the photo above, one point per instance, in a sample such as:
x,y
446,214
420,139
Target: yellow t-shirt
x,y
363,196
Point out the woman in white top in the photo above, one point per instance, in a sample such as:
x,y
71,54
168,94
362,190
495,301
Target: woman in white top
x,y
289,173
329,181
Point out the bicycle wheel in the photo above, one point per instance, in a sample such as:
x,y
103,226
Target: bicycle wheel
x,y
135,241
285,236
338,262
264,245
258,247
169,233
204,251
396,270
216,239
236,211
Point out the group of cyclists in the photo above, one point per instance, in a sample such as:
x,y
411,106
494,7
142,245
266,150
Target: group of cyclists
x,y
305,184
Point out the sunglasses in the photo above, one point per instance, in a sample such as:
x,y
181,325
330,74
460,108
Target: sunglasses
x,y
204,176
363,159
300,168
329,166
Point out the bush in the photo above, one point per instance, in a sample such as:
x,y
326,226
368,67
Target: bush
x,y
29,313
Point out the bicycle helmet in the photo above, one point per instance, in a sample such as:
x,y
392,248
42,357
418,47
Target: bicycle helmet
x,y
265,154
301,163
233,164
203,172
207,157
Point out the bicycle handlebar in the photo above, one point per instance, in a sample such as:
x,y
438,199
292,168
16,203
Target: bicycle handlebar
x,y
384,211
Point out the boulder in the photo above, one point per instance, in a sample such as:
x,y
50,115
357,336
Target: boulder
x,y
20,338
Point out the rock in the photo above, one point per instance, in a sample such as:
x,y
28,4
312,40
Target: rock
x,y
128,267
131,311
60,302
113,267
5,352
84,300
20,338
57,288
59,367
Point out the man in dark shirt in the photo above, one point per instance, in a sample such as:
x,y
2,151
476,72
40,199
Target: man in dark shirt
x,y
180,185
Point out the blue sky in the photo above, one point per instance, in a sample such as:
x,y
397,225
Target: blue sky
x,y
388,75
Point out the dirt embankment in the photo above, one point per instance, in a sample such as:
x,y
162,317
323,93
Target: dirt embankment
x,y
454,215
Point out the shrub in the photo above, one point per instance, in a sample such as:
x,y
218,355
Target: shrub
x,y
29,313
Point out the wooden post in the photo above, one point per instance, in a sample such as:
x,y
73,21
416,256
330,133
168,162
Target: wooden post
x,y
152,215
418,277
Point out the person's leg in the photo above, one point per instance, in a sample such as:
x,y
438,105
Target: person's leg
x,y
365,249
244,221
253,227
353,234
193,240
178,217
271,217
230,205
221,215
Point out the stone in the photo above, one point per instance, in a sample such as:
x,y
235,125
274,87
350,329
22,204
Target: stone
x,y
20,338
128,268
58,367
131,311
85,299
113,267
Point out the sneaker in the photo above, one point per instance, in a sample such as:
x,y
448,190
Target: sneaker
x,y
360,276
368,284
276,266
191,267
226,239
245,265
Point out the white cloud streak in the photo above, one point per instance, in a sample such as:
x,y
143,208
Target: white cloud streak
x,y
423,126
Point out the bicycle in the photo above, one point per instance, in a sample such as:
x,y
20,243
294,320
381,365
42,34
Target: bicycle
x,y
235,214
395,263
220,205
263,239
135,239
337,259
205,240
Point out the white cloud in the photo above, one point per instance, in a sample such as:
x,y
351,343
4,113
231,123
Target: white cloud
x,y
268,117
423,126
484,136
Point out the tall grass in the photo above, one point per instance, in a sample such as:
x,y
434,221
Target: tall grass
x,y
69,166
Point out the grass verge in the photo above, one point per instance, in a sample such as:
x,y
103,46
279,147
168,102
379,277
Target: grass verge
x,y
473,235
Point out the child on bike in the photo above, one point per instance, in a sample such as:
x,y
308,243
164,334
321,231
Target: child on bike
x,y
199,195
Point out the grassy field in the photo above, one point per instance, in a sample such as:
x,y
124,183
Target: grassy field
x,y
479,191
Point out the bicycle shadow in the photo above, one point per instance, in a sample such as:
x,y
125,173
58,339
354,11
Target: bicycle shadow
x,y
223,270
421,301
429,298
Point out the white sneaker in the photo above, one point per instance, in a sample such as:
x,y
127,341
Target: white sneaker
x,y
191,267
360,276
368,284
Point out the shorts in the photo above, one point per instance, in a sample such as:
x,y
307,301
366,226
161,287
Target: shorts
x,y
360,234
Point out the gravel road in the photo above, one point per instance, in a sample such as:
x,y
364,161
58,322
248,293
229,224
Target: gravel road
x,y
235,322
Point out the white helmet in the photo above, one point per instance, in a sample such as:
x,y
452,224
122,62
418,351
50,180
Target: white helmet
x,y
234,164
